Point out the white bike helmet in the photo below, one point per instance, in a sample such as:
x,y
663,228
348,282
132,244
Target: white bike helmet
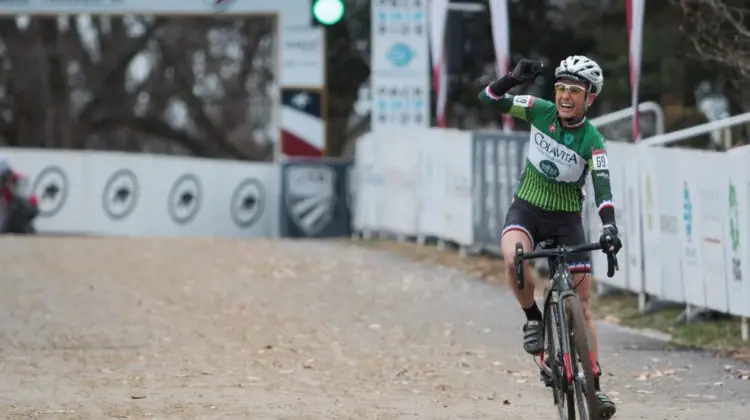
x,y
582,68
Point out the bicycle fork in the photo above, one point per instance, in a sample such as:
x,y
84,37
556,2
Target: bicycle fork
x,y
555,299
566,346
565,343
549,376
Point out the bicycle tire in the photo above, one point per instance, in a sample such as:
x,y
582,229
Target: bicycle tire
x,y
580,352
564,401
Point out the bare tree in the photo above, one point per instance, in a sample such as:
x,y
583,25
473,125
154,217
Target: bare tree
x,y
169,85
719,30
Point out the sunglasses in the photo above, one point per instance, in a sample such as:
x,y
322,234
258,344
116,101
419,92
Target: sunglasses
x,y
573,89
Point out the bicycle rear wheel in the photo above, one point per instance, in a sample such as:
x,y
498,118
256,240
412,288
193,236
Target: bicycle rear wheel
x,y
580,356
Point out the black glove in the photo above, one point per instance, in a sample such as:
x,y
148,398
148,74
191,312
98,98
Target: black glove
x,y
609,240
527,70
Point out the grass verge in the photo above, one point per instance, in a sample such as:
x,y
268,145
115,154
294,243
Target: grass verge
x,y
720,336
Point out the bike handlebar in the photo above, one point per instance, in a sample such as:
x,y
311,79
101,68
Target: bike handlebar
x,y
559,251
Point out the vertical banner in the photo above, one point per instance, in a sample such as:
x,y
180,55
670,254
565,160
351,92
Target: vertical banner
x,y
432,177
302,57
367,183
635,11
634,239
712,193
736,234
743,225
456,158
617,157
691,234
500,25
303,130
400,155
438,19
671,204
650,212
400,65
303,126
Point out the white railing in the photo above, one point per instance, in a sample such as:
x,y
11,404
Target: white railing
x,y
684,134
627,113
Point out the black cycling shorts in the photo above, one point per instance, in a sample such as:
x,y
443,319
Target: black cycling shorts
x,y
562,227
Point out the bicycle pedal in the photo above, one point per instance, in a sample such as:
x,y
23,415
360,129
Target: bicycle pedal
x,y
545,377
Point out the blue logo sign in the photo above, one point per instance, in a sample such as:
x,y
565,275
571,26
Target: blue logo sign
x,y
568,138
687,212
400,54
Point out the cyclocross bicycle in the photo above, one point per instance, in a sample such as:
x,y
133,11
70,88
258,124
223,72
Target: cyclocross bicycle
x,y
565,332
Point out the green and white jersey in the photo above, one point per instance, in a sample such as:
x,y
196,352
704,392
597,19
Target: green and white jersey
x,y
559,157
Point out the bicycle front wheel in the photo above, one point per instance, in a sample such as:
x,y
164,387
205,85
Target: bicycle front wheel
x,y
580,351
562,395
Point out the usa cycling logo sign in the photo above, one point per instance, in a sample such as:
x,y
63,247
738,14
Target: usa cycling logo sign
x,y
310,197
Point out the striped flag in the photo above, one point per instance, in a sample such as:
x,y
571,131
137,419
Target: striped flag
x,y
501,40
302,126
635,10
438,18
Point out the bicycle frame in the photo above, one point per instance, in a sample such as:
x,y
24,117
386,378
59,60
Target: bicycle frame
x,y
559,288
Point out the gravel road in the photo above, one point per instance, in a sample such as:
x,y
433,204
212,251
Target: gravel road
x,y
96,328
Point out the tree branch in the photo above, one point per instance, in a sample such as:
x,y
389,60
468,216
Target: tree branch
x,y
194,104
153,125
112,82
718,31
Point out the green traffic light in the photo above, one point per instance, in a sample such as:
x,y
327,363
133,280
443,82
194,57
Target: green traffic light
x,y
328,12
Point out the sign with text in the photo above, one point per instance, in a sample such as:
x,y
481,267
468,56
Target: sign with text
x,y
400,64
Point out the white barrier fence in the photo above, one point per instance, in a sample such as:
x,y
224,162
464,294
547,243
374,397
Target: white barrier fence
x,y
416,183
694,207
108,193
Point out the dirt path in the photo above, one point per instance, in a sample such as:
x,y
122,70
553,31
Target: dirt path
x,y
210,329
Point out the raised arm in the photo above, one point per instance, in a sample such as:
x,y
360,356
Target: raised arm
x,y
523,106
600,180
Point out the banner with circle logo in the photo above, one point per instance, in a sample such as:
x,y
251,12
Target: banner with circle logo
x,y
129,194
400,64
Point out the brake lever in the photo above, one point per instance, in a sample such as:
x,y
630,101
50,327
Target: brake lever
x,y
612,265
